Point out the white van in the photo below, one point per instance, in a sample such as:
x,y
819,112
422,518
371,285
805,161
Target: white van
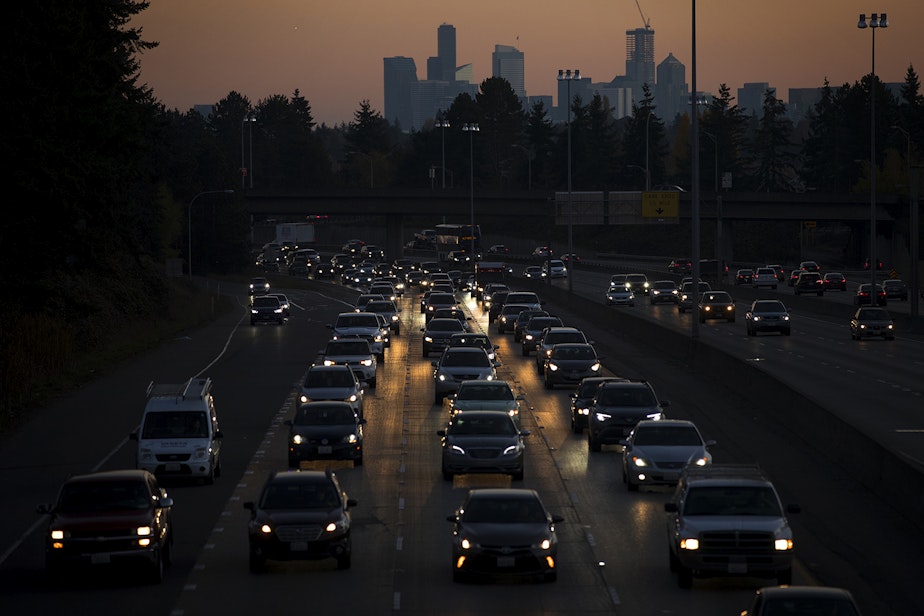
x,y
179,434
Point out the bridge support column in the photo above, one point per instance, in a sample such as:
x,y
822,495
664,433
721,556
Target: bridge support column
x,y
394,236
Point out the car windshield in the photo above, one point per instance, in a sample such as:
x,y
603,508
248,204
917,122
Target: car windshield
x,y
668,436
732,500
266,301
503,511
468,423
300,495
717,298
477,360
556,337
325,415
574,352
542,323
484,392
625,396
348,347
358,320
445,325
329,378
769,307
822,606
874,314
103,496
175,424
380,307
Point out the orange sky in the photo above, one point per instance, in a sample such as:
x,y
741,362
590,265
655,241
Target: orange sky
x,y
332,51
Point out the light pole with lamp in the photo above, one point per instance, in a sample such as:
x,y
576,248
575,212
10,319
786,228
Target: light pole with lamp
x,y
694,212
443,125
529,163
189,224
471,129
875,21
568,76
248,119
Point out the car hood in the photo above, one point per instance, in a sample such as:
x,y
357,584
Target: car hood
x,y
478,372
485,405
482,440
99,520
328,393
342,359
356,331
574,364
705,523
300,516
669,453
331,433
506,534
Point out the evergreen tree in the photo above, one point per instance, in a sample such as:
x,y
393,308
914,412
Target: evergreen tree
x,y
501,122
540,140
773,149
643,142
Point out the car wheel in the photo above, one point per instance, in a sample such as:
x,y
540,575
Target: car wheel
x,y
437,398
890,337
156,574
576,429
397,331
252,323
210,478
631,487
358,461
548,383
524,352
168,550
372,383
426,352
784,577
684,576
592,443
447,475
381,357
458,576
671,560
550,576
294,462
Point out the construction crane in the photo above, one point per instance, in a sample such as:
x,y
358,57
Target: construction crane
x,y
645,20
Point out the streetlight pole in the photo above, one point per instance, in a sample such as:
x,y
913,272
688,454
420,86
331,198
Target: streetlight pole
x,y
568,76
471,129
529,163
250,138
189,225
443,125
875,21
694,333
248,119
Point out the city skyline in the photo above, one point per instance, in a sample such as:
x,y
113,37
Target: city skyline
x,y
209,48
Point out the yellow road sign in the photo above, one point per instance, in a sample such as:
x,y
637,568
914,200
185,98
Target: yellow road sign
x,y
661,204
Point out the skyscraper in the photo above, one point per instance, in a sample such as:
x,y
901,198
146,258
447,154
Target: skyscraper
x,y
671,94
751,97
446,49
640,66
507,62
400,74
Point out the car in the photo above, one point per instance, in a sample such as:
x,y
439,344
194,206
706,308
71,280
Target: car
x,y
872,321
820,600
300,515
372,252
768,315
361,277
487,293
542,252
325,430
259,286
459,257
569,257
458,279
727,519
438,299
680,266
569,362
497,301
617,407
528,298
835,280
509,313
498,249
110,519
809,282
474,339
862,298
657,452
765,277
482,441
337,382
779,271
459,364
619,295
481,395
368,325
429,267
686,295
895,289
414,278
809,266
793,277
437,332
454,313
283,303
533,271
266,308
504,531
387,309
383,288
353,352
401,266
618,279
522,321
529,338
663,291
866,264
638,283
551,336
554,268
716,305
365,298
582,397
352,247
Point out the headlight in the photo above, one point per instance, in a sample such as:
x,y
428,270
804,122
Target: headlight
x,y
57,535
782,545
144,531
366,362
552,366
655,416
545,544
329,362
689,544
352,398
266,529
595,367
303,398
639,461
441,377
602,416
201,453
297,439
466,544
428,339
351,439
145,454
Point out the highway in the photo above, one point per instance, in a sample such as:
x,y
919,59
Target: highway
x,y
613,552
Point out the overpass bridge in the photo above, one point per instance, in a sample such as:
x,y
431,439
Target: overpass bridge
x,y
597,208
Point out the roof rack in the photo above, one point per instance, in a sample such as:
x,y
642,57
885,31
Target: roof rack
x,y
192,389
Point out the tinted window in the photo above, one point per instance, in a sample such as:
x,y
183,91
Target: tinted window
x,y
300,495
175,424
104,496
626,396
324,415
732,500
330,378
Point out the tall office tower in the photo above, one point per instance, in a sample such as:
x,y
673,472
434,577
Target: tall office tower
x,y
507,62
446,50
640,65
671,94
751,98
400,74
802,101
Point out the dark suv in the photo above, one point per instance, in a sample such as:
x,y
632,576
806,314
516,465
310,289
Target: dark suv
x,y
300,515
809,282
266,308
617,407
110,518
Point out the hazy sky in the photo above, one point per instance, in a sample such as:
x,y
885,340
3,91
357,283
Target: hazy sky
x,y
332,51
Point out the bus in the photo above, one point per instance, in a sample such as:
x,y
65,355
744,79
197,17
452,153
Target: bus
x,y
450,238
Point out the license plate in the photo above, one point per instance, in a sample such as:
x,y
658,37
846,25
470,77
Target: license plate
x,y
173,467
506,561
325,449
100,559
298,546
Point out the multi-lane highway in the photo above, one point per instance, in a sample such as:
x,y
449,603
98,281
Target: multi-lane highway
x,y
613,553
